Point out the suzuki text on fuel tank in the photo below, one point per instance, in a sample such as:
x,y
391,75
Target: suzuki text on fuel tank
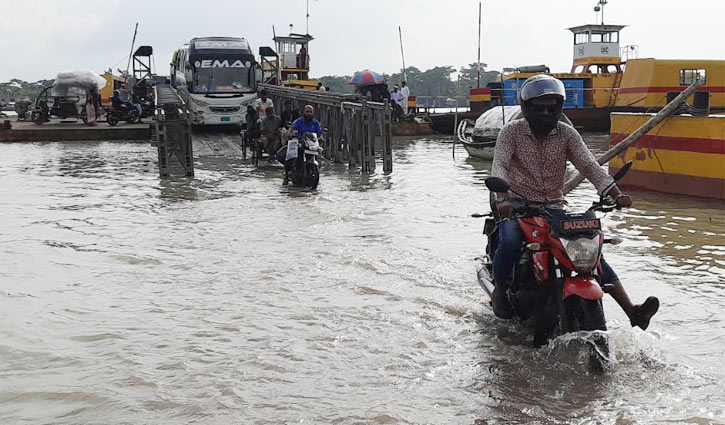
x,y
556,280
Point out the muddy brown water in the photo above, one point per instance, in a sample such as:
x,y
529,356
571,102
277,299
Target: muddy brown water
x,y
228,298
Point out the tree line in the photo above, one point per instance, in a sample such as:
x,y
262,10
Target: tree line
x,y
18,89
436,81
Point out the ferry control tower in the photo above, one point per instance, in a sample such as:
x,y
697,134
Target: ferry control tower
x,y
596,49
294,60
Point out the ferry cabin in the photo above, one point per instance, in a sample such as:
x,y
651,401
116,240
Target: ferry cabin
x,y
293,60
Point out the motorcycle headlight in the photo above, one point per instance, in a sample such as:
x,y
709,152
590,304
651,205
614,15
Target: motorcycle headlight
x,y
583,252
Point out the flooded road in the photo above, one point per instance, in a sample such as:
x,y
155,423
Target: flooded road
x,y
228,298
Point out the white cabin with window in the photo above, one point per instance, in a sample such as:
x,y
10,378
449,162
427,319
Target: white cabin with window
x,y
596,48
294,56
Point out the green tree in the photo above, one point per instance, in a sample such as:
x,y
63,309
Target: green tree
x,y
469,77
337,84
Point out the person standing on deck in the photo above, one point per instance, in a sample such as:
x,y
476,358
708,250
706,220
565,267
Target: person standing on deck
x,y
397,98
405,91
302,58
262,103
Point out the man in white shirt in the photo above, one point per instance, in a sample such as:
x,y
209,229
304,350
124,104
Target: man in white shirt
x,y
405,91
397,97
262,104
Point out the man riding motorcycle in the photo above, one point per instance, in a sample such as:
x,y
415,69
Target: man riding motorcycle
x,y
531,154
305,124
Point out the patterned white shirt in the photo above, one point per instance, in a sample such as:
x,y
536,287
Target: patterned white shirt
x,y
537,169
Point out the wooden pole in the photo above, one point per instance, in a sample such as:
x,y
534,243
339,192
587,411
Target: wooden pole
x,y
478,84
629,140
387,138
405,76
128,65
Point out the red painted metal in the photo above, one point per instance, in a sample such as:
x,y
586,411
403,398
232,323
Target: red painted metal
x,y
584,286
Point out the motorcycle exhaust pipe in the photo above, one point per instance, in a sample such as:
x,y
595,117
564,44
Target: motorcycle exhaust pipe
x,y
485,279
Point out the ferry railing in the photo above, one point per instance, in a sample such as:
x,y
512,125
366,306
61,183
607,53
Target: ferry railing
x,y
172,131
353,124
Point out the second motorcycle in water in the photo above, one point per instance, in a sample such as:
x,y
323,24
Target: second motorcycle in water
x,y
299,158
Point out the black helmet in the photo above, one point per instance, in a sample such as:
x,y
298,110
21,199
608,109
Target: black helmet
x,y
538,86
541,85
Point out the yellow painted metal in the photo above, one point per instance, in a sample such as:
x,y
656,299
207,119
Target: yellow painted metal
x,y
599,60
479,98
686,126
113,82
694,164
304,84
646,81
673,161
603,90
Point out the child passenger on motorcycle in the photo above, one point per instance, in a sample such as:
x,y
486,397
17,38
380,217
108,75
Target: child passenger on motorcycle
x,y
531,154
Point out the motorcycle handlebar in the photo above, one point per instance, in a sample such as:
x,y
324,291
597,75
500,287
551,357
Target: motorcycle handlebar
x,y
604,205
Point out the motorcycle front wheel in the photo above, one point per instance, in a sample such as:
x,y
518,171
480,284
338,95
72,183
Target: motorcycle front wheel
x,y
312,178
133,117
588,315
112,120
37,118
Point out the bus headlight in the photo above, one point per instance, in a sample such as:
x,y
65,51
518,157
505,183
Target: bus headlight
x,y
199,103
583,252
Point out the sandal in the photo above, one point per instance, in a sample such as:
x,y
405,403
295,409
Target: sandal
x,y
642,313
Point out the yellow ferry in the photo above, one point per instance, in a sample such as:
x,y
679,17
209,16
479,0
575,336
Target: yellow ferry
x,y
605,78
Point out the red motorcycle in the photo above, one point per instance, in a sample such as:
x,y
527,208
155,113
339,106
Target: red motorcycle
x,y
556,281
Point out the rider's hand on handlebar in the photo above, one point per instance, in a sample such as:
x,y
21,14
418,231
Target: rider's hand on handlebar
x,y
620,200
505,209
623,201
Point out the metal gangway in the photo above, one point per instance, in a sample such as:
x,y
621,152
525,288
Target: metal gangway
x,y
353,124
172,131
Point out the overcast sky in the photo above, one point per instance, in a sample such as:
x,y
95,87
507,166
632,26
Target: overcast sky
x,y
40,38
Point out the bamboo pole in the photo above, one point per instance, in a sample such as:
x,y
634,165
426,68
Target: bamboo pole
x,y
387,138
629,140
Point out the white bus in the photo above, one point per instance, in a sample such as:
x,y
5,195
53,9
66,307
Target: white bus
x,y
217,76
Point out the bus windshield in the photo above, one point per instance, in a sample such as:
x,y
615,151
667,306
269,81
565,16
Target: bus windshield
x,y
223,75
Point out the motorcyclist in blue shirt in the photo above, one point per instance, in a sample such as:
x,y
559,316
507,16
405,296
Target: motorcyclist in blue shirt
x,y
307,123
